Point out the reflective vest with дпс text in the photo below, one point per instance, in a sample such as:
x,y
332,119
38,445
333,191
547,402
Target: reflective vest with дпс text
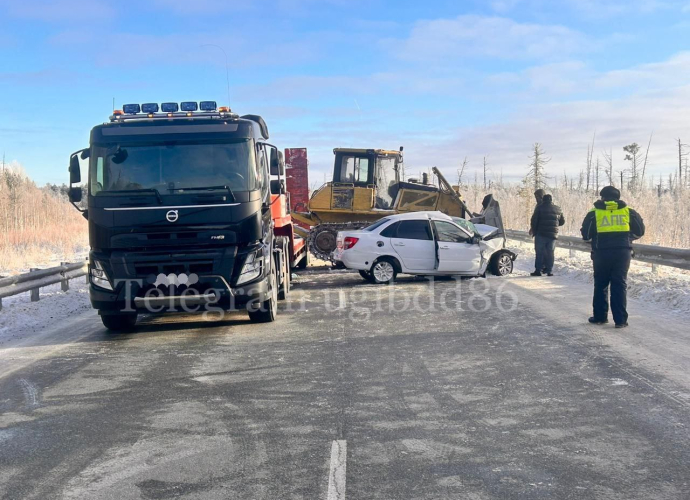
x,y
612,219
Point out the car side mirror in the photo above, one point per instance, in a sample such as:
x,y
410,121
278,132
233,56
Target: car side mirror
x,y
74,169
75,194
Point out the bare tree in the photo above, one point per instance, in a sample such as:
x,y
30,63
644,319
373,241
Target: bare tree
x,y
536,175
608,158
484,168
646,155
461,170
596,174
590,152
633,156
681,154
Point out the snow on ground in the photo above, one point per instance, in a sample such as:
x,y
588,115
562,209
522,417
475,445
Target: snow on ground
x,y
20,317
668,287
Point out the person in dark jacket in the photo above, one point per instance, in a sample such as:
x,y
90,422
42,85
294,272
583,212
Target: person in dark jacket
x,y
611,226
546,220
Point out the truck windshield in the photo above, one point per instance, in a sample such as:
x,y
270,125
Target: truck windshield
x,y
173,166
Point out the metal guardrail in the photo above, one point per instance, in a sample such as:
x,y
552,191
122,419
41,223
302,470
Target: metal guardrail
x,y
38,278
657,256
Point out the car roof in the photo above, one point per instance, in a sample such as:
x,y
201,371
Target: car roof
x,y
420,216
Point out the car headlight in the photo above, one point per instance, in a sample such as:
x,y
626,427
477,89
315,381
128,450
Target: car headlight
x,y
98,276
252,268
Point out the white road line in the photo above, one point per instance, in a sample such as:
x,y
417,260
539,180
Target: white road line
x,y
336,476
30,392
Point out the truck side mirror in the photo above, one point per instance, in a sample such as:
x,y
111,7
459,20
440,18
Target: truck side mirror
x,y
277,166
74,169
75,194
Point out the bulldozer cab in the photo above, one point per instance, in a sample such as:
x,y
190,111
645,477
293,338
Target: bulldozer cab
x,y
365,179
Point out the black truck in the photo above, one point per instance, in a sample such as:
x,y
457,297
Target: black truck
x,y
179,211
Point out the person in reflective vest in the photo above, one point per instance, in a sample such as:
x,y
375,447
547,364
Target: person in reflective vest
x,y
611,226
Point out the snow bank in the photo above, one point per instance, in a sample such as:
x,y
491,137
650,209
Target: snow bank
x,y
668,287
20,317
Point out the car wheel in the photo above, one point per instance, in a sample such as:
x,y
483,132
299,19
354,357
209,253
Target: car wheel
x,y
502,264
121,322
383,271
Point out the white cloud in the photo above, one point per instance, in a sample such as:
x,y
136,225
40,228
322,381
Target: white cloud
x,y
472,36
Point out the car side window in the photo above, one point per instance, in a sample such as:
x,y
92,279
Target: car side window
x,y
414,230
390,231
450,233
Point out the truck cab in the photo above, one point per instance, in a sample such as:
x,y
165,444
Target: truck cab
x,y
179,212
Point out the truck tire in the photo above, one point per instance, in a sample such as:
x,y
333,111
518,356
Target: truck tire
x,y
366,275
121,322
302,264
285,274
267,311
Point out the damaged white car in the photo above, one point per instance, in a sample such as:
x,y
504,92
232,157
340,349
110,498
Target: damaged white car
x,y
426,243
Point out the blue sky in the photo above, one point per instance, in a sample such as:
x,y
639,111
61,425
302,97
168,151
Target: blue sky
x,y
446,79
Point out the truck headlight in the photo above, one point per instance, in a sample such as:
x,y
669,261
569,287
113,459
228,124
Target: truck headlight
x,y
98,276
252,268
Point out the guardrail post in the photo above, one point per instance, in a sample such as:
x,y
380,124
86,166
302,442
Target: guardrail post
x,y
35,293
572,252
655,269
0,304
64,284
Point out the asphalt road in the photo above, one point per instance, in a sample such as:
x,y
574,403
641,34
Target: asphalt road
x,y
498,390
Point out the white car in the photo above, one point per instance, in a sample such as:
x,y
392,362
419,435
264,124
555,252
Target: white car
x,y
424,243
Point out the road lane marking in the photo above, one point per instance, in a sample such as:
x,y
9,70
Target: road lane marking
x,y
336,476
30,392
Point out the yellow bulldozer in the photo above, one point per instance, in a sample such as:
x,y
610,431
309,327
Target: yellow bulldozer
x,y
367,185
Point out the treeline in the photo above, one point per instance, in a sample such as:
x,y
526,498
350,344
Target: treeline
x,y
37,224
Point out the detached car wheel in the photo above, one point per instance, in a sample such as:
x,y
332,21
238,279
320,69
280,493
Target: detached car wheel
x,y
502,264
267,311
383,271
119,322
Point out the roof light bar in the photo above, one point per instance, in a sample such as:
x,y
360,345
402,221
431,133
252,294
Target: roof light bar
x,y
208,105
150,107
189,106
131,109
169,107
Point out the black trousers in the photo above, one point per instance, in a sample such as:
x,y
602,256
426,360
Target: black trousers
x,y
544,248
611,270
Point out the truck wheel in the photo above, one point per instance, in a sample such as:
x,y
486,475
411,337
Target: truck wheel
x,y
266,312
121,322
366,275
285,284
302,264
501,264
383,271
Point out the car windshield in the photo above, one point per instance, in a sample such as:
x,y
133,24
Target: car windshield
x,y
376,224
173,166
465,224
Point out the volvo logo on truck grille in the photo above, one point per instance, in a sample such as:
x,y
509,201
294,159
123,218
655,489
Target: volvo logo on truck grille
x,y
172,216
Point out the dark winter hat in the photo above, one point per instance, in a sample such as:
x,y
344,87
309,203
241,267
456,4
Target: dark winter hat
x,y
547,198
539,193
610,193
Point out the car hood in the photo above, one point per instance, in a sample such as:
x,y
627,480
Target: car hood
x,y
486,231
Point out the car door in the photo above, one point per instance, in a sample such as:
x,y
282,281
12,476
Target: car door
x,y
414,244
457,252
